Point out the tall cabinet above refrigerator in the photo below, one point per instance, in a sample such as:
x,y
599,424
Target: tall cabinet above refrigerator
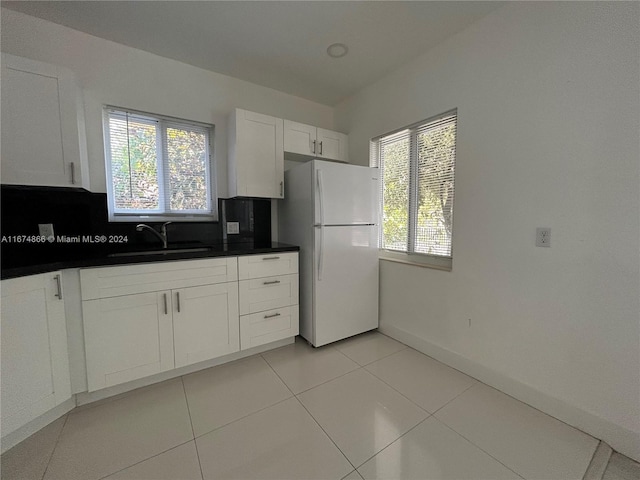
x,y
330,211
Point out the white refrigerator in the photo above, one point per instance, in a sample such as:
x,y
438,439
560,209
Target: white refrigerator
x,y
330,211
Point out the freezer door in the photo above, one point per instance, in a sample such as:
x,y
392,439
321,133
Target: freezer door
x,y
345,194
345,282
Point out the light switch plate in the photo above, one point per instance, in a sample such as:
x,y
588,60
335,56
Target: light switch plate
x,y
233,227
45,229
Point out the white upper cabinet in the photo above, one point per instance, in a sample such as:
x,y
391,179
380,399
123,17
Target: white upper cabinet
x,y
300,138
42,125
256,155
332,145
315,142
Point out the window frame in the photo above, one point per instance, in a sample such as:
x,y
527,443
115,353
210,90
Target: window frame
x,y
162,123
412,257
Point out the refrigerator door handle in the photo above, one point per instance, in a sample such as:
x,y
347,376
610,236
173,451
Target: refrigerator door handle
x,y
320,195
320,253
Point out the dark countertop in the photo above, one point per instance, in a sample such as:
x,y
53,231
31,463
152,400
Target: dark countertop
x,y
104,259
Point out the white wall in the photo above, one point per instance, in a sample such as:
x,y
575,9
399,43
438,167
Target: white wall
x,y
114,74
548,98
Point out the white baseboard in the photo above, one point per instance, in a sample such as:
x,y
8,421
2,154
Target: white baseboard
x,y
15,437
620,438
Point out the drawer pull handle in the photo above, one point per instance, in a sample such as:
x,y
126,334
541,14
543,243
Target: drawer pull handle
x,y
271,316
178,301
271,282
166,309
271,258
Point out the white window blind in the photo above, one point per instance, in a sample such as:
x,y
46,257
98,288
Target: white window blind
x,y
417,187
158,166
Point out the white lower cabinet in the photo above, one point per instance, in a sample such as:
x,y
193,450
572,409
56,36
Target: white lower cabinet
x,y
34,361
140,320
127,338
269,292
205,322
181,313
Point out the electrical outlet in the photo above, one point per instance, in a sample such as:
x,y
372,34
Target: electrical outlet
x,y
45,229
543,237
233,227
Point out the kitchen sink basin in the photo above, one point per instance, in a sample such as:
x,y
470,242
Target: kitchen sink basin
x,y
160,252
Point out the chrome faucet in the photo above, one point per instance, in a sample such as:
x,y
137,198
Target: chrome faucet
x,y
162,235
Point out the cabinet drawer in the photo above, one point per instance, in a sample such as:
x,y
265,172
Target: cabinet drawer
x,y
268,293
268,265
106,282
265,327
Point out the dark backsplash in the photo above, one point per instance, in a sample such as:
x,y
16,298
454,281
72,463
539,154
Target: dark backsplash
x,y
75,212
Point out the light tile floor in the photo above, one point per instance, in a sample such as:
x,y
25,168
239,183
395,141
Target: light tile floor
x,y
367,407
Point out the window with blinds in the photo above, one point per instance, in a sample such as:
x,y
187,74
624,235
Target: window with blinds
x,y
158,167
417,189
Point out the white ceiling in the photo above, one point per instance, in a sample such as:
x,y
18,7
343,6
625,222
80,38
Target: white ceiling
x,y
281,44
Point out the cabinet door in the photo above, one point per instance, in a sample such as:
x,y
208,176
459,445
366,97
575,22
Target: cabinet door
x,y
299,138
34,364
205,322
127,338
332,145
259,155
40,136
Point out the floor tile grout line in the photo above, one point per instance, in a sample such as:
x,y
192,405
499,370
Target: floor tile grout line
x,y
326,381
314,418
53,450
475,382
377,359
344,374
398,391
325,432
145,459
593,457
276,374
248,414
169,449
193,432
243,417
387,446
198,455
343,354
480,448
330,380
186,399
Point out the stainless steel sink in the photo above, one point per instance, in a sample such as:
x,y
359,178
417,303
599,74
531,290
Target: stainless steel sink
x,y
159,252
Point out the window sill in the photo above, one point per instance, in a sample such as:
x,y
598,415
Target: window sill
x,y
163,218
425,261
